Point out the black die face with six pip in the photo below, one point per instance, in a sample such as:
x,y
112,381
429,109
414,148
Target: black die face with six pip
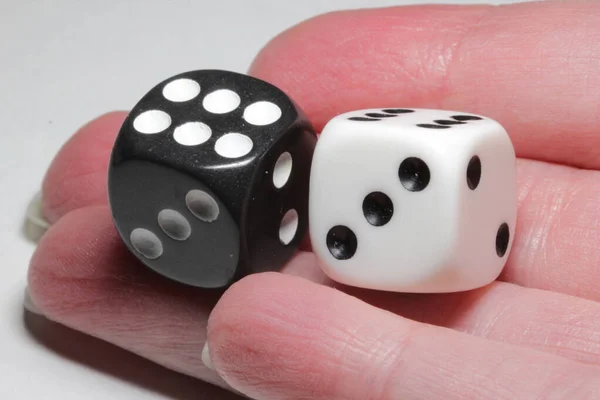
x,y
209,177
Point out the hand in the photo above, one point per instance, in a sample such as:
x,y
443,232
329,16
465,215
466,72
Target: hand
x,y
535,333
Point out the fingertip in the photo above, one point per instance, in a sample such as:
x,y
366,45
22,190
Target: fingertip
x,y
366,58
81,247
76,177
82,276
484,59
261,319
249,293
244,308
263,292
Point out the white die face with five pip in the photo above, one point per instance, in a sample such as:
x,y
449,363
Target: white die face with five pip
x,y
413,200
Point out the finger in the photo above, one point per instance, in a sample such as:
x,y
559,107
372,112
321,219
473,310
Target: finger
x,y
531,66
503,312
557,234
82,276
77,175
277,337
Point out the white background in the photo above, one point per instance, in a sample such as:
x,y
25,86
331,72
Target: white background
x,y
61,64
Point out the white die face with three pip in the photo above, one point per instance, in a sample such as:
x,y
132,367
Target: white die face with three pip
x,y
413,200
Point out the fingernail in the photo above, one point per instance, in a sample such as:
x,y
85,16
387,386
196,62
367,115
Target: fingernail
x,y
206,357
35,224
29,305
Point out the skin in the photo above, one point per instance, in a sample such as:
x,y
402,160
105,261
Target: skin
x,y
533,334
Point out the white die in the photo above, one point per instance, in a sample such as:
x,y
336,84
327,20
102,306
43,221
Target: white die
x,y
413,200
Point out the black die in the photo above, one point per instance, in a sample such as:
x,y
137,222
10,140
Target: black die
x,y
209,177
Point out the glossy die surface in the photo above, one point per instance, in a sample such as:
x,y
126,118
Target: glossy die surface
x,y
413,200
209,177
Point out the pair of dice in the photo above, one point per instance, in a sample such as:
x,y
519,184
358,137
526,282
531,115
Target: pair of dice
x,y
216,175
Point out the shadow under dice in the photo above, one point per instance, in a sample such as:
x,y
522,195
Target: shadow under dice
x,y
413,200
209,178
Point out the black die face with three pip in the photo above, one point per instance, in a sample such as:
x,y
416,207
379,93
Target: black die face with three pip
x,y
209,177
